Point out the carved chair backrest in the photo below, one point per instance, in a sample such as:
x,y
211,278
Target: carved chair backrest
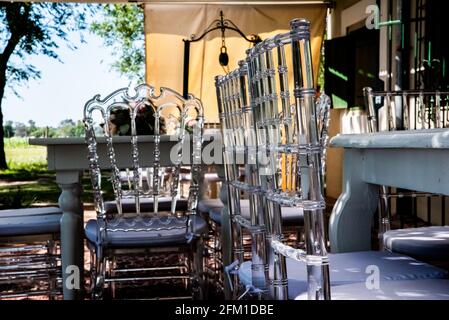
x,y
166,106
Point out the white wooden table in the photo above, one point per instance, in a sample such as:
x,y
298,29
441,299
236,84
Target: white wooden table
x,y
68,158
415,160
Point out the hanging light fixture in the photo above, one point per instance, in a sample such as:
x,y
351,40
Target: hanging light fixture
x,y
221,24
223,57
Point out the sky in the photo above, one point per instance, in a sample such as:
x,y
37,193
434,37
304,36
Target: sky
x,y
64,87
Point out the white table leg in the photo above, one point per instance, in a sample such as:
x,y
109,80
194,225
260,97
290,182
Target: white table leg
x,y
72,234
352,216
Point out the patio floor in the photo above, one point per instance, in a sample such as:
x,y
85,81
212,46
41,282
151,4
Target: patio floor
x,y
172,287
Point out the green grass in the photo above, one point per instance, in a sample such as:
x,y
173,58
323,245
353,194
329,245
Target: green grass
x,y
24,160
27,181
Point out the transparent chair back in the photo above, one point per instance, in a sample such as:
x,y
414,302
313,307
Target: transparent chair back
x,y
323,105
237,123
406,109
289,152
139,182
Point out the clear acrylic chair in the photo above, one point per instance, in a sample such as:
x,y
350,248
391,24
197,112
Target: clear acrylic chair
x,y
171,229
276,137
289,165
238,133
290,153
30,259
295,163
323,105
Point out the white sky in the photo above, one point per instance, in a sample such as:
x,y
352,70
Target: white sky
x,y
64,87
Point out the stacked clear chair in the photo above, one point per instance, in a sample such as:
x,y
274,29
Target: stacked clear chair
x,y
144,221
406,109
283,147
240,151
30,257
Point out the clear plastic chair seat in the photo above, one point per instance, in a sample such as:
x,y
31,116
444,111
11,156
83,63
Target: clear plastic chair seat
x,y
426,243
347,268
429,289
30,221
152,238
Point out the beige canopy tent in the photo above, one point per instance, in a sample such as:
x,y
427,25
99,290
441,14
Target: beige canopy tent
x,y
168,23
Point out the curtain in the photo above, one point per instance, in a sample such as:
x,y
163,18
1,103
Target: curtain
x,y
167,24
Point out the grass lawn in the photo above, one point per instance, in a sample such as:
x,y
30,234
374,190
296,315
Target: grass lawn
x,y
24,161
27,181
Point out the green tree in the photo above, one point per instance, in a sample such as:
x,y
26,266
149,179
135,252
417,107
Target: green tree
x,y
50,132
8,129
29,28
66,128
79,129
122,28
31,127
20,129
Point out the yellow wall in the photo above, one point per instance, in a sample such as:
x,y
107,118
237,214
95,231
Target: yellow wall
x,y
167,24
356,11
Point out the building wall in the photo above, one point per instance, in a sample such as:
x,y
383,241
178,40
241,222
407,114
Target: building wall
x,y
346,13
349,13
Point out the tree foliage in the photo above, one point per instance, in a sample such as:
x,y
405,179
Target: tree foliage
x,y
35,28
8,129
122,28
66,128
29,28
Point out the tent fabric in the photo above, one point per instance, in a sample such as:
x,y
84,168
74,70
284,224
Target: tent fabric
x,y
166,25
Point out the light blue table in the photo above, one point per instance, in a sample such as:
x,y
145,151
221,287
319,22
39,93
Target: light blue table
x,y
415,160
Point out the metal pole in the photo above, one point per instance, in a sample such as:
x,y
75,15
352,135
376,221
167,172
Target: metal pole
x,y
185,77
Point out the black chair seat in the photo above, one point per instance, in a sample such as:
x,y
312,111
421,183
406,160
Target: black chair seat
x,y
30,221
151,238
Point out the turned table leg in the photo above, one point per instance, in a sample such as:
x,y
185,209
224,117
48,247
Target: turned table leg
x,y
352,216
72,234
